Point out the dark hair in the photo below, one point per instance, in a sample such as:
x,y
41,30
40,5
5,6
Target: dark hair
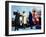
x,y
34,11
23,11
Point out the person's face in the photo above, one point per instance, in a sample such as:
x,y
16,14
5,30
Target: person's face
x,y
36,15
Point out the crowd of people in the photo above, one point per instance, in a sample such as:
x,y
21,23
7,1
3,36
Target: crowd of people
x,y
23,21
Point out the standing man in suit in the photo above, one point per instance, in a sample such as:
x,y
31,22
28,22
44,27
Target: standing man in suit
x,y
30,20
17,21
